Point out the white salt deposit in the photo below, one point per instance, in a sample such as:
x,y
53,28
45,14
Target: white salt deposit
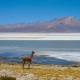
x,y
69,56
39,36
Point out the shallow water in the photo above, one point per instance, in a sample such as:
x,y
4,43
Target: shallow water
x,y
46,51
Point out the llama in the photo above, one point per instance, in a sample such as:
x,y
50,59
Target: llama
x,y
27,59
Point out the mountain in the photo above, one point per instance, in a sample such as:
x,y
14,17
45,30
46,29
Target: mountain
x,y
63,24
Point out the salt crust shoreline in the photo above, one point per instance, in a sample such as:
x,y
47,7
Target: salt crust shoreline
x,y
39,36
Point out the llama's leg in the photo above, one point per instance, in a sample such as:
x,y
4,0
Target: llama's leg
x,y
23,62
29,65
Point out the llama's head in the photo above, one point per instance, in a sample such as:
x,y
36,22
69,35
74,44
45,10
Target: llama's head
x,y
33,52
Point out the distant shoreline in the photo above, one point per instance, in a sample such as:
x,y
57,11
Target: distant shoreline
x,y
39,36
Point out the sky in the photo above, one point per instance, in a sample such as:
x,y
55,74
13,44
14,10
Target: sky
x,y
28,11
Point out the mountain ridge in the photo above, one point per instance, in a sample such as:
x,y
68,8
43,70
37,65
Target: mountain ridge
x,y
63,24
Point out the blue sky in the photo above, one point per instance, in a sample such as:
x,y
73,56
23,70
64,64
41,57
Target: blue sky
x,y
27,11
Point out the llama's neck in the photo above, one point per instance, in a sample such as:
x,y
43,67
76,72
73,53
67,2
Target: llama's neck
x,y
31,55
